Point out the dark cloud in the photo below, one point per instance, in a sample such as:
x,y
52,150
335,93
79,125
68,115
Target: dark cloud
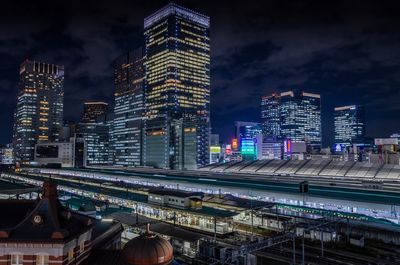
x,y
346,50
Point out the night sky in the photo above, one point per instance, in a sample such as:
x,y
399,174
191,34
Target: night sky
x,y
349,51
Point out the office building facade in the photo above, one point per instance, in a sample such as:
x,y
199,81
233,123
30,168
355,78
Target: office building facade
x,y
39,112
349,124
299,117
270,115
249,130
96,143
7,155
94,110
57,153
177,88
127,124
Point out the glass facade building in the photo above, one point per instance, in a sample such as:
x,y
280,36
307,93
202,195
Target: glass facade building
x,y
177,88
39,112
270,115
96,143
127,123
349,125
293,115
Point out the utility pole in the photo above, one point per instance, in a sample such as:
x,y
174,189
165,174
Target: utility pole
x,y
302,250
294,248
322,243
215,229
251,215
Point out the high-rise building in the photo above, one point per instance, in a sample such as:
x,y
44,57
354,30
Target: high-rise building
x,y
177,88
127,124
349,124
96,143
301,117
39,112
270,115
93,110
298,118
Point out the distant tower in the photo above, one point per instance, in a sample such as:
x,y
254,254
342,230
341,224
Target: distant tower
x,y
39,112
177,88
349,124
127,137
293,115
301,117
93,110
270,116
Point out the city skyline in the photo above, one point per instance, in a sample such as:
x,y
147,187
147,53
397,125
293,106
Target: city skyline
x,y
260,64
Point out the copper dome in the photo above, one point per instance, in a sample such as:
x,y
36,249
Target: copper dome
x,y
148,249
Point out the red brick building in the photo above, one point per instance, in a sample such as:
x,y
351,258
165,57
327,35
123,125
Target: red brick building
x,y
43,232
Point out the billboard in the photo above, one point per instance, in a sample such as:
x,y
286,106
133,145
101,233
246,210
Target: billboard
x,y
287,146
47,151
215,149
228,149
248,146
234,144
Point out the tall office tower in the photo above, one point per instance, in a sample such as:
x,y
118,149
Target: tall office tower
x,y
292,115
177,88
349,124
270,116
301,117
93,110
128,110
39,112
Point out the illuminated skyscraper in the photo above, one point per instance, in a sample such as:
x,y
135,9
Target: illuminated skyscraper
x,y
301,117
349,125
270,115
93,110
39,112
293,115
177,88
128,110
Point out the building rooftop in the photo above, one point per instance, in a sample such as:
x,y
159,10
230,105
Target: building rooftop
x,y
44,220
175,193
174,9
14,188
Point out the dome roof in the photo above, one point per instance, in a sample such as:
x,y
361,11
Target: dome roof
x,y
148,249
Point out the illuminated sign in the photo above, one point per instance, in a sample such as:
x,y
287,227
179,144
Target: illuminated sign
x,y
234,144
228,149
338,148
287,146
248,147
215,149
